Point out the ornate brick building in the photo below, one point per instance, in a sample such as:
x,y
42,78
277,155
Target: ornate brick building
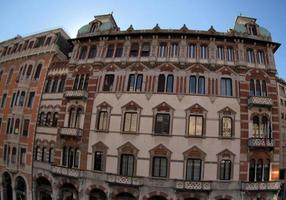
x,y
24,62
160,114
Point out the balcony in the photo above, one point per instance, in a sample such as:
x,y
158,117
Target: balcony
x,y
73,132
260,143
134,181
194,185
259,101
261,186
76,94
75,173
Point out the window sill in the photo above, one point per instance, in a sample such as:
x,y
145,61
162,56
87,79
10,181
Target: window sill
x,y
195,136
129,132
101,131
158,134
226,138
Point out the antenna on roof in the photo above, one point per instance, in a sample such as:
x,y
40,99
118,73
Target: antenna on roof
x,y
240,14
111,12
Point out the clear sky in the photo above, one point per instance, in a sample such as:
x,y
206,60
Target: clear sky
x,y
26,17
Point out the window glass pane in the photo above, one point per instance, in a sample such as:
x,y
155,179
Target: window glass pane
x,y
252,88
145,51
197,170
162,123
102,121
92,52
201,86
98,160
259,169
193,82
266,170
156,166
139,82
110,50
226,126
130,122
199,125
192,51
192,125
258,88
252,170
170,80
264,90
161,83
163,168
108,82
131,82
119,50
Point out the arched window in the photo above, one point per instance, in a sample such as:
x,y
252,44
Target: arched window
x,y
201,85
55,119
54,86
81,81
44,154
75,85
48,119
252,170
22,98
193,85
38,71
161,83
264,88
20,188
259,170
10,74
76,158
29,72
266,170
41,119
78,118
71,157
258,88
64,156
48,85
255,126
85,84
51,155
97,194
7,190
252,88
265,126
72,114
61,85
170,83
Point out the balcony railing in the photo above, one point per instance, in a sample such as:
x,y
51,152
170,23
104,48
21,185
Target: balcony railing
x,y
76,94
194,185
74,132
260,143
135,181
66,171
260,101
261,186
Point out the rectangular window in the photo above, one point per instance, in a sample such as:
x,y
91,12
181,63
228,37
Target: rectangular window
x,y
102,121
108,82
26,127
261,57
110,51
31,44
48,41
83,52
145,51
8,125
13,100
31,99
162,49
40,42
220,53
130,122
226,127
119,50
22,156
162,123
135,82
92,52
204,52
225,169
174,50
98,157
160,167
250,56
226,87
134,50
193,169
195,125
127,165
230,54
192,51
5,156
3,100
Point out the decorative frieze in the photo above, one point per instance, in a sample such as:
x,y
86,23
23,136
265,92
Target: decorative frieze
x,y
76,132
76,94
260,101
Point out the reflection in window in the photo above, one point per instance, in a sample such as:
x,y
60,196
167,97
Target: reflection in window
x,y
195,125
226,127
130,122
108,82
160,167
127,165
193,169
162,123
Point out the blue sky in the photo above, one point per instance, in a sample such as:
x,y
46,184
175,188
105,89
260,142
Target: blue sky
x,y
26,17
